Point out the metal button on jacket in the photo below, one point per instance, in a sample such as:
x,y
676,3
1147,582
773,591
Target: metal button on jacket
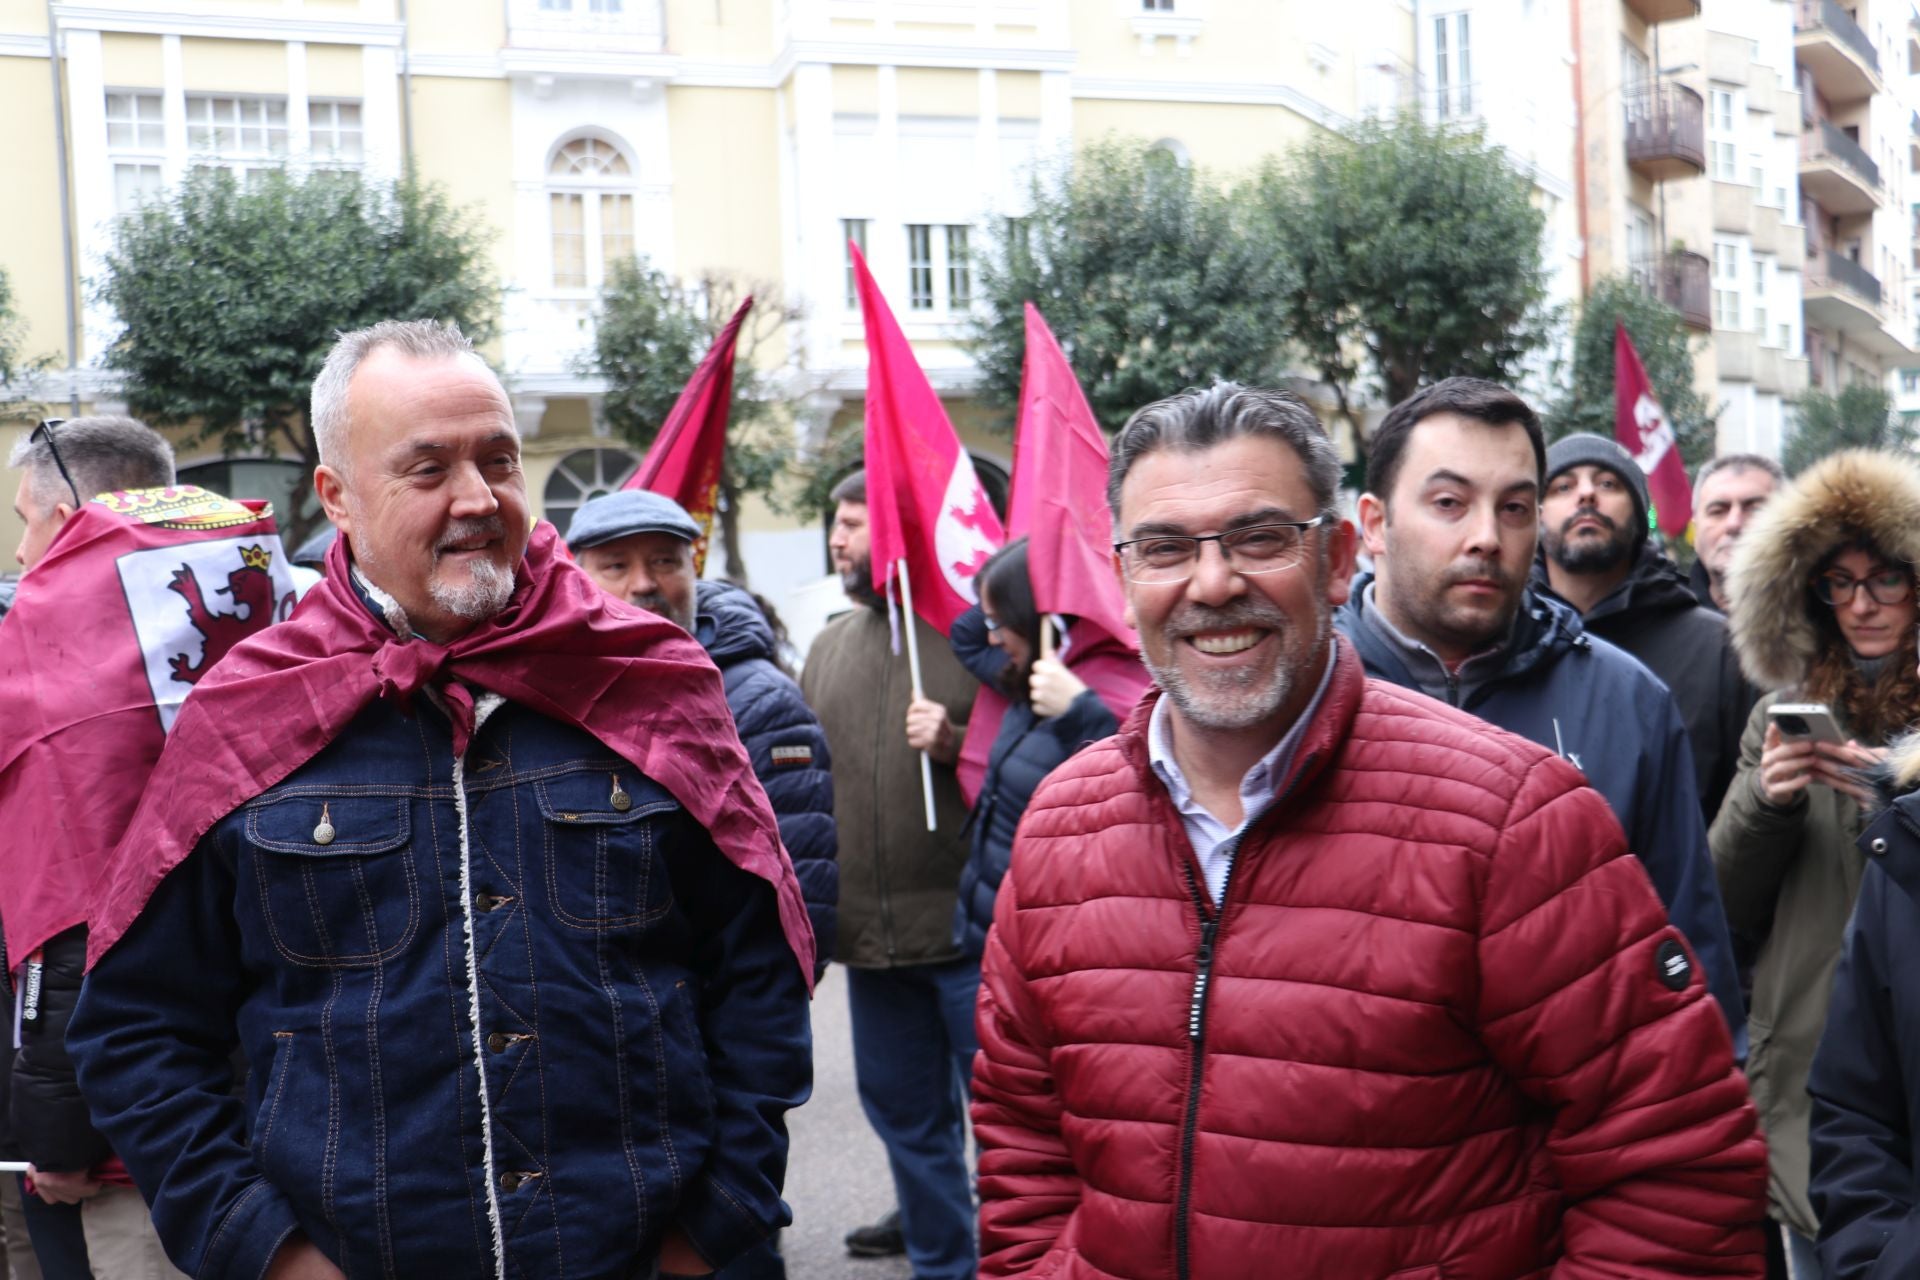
x,y
499,1041
1877,846
510,1181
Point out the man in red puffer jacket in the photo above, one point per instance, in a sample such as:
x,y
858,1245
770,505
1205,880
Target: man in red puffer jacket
x,y
1306,975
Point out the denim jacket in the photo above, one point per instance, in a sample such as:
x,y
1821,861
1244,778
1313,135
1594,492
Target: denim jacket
x,y
508,1014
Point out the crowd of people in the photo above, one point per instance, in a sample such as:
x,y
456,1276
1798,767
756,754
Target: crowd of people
x,y
1449,886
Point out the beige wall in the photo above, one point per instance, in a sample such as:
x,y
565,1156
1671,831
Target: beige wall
x,y
335,71
460,128
1218,137
726,194
456,26
130,61
926,91
234,66
728,30
30,248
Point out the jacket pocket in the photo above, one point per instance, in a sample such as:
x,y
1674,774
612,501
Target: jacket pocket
x,y
603,871
335,875
276,1085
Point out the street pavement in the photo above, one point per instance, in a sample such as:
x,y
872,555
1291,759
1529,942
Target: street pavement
x,y
837,1172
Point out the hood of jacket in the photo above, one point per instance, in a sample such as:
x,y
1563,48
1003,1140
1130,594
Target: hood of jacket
x,y
729,625
1849,495
1654,584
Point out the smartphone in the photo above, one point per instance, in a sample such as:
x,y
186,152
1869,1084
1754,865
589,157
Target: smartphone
x,y
1802,721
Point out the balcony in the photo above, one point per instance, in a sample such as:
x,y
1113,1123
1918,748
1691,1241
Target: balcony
x,y
1654,11
587,26
1666,132
1837,173
1682,281
1742,358
1841,296
1831,45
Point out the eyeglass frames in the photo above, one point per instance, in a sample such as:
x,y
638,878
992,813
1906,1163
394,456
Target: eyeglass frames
x,y
1888,587
1165,559
53,447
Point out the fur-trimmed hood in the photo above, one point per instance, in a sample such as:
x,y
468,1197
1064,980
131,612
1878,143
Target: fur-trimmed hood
x,y
1857,493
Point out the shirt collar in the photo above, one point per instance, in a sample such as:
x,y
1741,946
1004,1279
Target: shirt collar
x,y
1261,779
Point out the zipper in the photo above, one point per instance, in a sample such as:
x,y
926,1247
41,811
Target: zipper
x,y
1212,922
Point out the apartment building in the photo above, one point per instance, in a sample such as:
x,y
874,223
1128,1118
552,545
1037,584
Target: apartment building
x,y
749,138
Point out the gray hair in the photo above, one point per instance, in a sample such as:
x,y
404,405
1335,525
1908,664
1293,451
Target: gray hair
x,y
1200,419
1736,462
420,339
101,453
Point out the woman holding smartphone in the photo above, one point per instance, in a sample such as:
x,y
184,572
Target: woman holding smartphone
x,y
1823,612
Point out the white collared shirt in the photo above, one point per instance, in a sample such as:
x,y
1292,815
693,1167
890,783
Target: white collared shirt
x,y
1212,840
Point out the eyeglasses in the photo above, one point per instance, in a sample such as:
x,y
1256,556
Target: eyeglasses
x,y
991,624
47,426
1890,586
1260,548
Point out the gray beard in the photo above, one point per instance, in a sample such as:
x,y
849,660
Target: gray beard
x,y
1233,700
482,597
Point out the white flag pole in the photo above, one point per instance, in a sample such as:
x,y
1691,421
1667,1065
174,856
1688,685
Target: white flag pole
x,y
913,667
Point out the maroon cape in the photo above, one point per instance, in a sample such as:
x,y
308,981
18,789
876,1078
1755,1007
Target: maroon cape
x,y
562,647
133,605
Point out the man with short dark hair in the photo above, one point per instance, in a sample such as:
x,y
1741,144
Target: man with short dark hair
x,y
1451,516
467,860
1301,974
1596,557
1727,492
909,989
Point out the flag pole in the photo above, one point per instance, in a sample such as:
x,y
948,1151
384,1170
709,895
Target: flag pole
x,y
913,667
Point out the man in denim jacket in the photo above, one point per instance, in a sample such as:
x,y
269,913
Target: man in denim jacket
x,y
513,1004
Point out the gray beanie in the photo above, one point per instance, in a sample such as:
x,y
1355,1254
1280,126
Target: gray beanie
x,y
1597,451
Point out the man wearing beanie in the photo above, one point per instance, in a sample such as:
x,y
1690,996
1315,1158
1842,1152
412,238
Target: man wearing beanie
x,y
1595,556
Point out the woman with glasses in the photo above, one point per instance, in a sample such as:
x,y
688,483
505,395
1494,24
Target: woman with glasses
x,y
1823,612
1058,706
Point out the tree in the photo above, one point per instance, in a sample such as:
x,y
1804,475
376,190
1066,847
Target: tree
x,y
231,296
1661,338
10,331
19,372
1861,416
651,334
1413,246
1148,275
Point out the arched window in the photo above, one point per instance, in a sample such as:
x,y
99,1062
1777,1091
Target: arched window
x,y
590,208
583,474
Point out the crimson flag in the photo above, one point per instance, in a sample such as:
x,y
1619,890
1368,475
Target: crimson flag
x,y
139,596
1641,427
684,462
1059,499
925,505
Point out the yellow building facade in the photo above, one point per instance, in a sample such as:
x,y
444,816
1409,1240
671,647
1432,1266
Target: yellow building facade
x,y
742,138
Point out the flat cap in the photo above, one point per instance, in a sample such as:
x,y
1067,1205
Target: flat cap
x,y
625,513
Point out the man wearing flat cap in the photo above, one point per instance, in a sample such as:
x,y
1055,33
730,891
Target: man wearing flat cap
x,y
1595,555
639,546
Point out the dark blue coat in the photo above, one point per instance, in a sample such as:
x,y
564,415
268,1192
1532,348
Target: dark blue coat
x,y
1027,749
785,742
1866,1074
1611,718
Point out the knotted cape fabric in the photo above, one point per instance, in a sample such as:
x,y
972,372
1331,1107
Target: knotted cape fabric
x,y
562,647
136,601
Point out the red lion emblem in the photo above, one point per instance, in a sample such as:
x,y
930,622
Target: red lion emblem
x,y
249,585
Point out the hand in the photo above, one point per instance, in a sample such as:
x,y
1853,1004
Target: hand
x,y
1052,687
63,1188
1786,767
929,730
678,1257
1845,766
300,1259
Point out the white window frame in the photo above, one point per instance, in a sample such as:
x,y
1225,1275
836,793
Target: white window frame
x,y
1728,299
591,189
932,277
333,143
1450,64
1724,110
137,161
241,114
853,231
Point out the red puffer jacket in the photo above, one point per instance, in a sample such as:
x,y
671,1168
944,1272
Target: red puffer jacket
x,y
1430,1035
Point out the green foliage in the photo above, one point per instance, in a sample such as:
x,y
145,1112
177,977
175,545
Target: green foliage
x,y
232,294
11,328
841,450
650,335
1149,275
1662,339
1860,417
1415,245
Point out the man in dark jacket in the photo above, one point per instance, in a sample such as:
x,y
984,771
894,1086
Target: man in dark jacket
x,y
1595,556
909,990
1450,516
639,547
1728,492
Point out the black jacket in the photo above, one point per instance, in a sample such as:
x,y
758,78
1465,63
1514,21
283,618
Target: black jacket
x,y
1655,616
45,1113
1027,749
784,740
1866,1074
